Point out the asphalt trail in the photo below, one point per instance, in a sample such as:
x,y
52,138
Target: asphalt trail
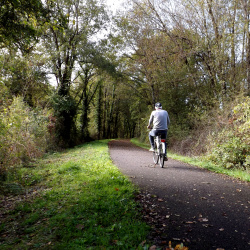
x,y
187,204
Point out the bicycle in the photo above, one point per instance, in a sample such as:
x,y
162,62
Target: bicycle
x,y
159,150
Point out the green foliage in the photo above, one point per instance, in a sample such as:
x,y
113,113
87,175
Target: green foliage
x,y
64,107
231,151
63,104
19,21
23,133
231,146
24,76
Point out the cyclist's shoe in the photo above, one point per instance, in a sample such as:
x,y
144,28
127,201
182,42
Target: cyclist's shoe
x,y
165,158
151,149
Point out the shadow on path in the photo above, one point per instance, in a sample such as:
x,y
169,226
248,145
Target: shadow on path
x,y
187,204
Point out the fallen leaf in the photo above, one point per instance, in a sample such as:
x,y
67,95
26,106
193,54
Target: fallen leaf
x,y
205,225
180,247
80,226
203,220
152,247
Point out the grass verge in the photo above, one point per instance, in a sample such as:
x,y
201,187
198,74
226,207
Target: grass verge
x,y
203,163
76,199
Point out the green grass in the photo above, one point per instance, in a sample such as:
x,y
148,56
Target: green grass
x,y
76,199
202,162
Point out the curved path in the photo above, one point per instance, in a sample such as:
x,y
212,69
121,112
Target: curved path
x,y
187,204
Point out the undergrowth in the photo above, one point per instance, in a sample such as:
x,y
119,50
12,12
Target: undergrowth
x,y
230,146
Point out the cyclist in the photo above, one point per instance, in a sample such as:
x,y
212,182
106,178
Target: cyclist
x,y
160,120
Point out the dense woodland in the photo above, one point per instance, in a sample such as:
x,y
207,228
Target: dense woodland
x,y
73,71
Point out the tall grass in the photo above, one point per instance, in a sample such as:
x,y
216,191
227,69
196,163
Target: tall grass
x,y
76,199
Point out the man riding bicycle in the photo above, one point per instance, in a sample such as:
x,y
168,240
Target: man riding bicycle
x,y
160,120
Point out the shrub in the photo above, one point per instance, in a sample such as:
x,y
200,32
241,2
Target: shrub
x,y
231,146
23,133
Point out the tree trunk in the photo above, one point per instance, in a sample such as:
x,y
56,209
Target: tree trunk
x,y
248,60
99,112
110,115
84,118
246,7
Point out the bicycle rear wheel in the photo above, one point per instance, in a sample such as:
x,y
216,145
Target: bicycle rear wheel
x,y
155,156
161,160
162,154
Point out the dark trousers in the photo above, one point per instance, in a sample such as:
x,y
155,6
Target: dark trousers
x,y
155,132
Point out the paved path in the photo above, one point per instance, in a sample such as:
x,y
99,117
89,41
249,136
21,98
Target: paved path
x,y
202,209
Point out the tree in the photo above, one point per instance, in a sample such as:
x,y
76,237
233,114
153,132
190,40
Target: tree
x,y
73,25
159,67
24,76
19,21
87,84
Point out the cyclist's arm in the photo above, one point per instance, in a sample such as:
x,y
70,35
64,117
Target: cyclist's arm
x,y
168,120
150,121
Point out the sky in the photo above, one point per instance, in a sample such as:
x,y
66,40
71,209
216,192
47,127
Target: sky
x,y
114,4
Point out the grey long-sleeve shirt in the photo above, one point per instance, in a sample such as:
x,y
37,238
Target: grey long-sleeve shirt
x,y
160,119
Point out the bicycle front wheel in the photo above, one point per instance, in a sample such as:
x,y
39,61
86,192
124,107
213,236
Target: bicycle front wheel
x,y
155,156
